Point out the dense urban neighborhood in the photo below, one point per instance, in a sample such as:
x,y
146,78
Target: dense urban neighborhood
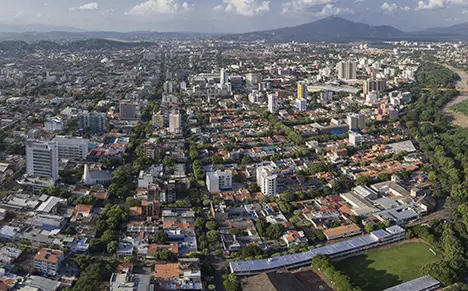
x,y
212,164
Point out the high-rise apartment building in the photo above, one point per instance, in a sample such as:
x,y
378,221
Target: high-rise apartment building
x,y
355,139
346,70
53,124
253,79
169,87
378,85
301,104
272,103
71,147
356,121
93,121
267,180
224,77
128,111
218,181
175,122
158,119
301,91
42,159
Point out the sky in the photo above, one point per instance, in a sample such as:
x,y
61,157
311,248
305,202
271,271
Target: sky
x,y
228,15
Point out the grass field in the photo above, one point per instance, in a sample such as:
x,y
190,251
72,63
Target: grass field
x,y
383,268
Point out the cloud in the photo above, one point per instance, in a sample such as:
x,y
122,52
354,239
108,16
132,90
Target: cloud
x,y
152,7
244,7
218,8
108,11
430,5
390,8
301,5
86,7
439,4
331,10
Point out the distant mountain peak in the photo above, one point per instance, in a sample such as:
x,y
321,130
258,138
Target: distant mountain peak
x,y
331,28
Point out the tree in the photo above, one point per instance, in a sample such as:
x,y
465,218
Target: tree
x,y
88,199
84,260
253,188
199,222
339,281
364,181
129,260
369,227
164,255
130,202
262,227
70,230
246,160
251,251
285,207
161,237
440,270
213,235
217,160
211,225
453,249
231,282
112,247
107,236
274,231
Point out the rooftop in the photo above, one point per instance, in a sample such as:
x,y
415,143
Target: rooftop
x,y
48,255
418,284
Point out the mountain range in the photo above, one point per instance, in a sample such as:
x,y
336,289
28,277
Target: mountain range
x,y
339,29
334,29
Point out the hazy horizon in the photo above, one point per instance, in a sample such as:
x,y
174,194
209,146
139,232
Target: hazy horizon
x,y
228,16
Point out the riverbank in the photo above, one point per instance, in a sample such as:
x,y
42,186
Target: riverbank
x,y
457,118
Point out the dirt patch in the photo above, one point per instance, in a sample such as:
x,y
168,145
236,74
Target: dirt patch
x,y
312,279
458,119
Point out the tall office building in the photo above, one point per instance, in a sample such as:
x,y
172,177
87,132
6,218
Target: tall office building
x,y
218,181
128,111
71,147
175,122
267,180
272,103
42,159
356,121
224,77
378,85
346,70
301,91
93,121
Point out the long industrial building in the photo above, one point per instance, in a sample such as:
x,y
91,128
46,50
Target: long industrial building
x,y
339,250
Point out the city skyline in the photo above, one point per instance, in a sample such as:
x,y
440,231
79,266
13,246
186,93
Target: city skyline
x,y
226,16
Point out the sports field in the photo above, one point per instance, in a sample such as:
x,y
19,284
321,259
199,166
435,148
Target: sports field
x,y
389,266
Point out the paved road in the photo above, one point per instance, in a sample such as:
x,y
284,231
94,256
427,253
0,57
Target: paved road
x,y
220,265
